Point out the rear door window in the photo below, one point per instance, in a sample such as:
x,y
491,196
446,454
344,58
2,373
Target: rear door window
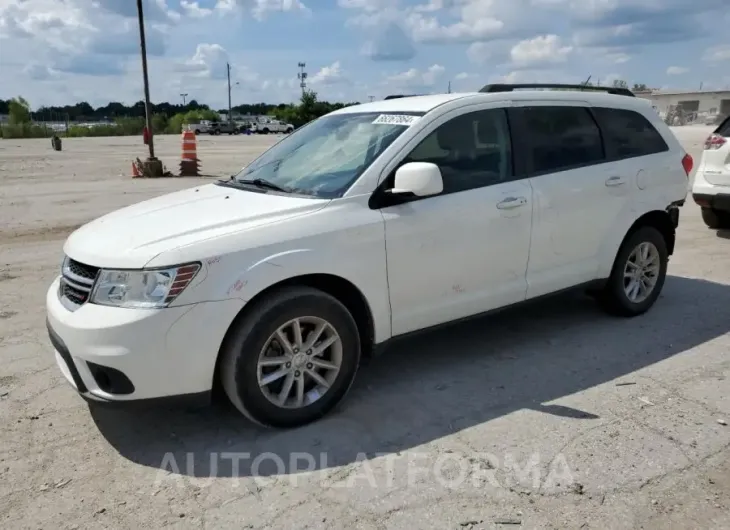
x,y
560,138
628,134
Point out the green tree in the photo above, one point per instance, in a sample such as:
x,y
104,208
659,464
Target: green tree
x,y
620,83
159,123
19,111
640,87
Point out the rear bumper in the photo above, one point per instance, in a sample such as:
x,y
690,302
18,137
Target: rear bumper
x,y
720,201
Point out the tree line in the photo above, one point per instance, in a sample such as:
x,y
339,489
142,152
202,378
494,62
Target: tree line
x,y
118,119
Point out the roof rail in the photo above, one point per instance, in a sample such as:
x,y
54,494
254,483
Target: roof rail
x,y
510,87
396,96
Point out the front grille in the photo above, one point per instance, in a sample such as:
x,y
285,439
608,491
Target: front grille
x,y
77,280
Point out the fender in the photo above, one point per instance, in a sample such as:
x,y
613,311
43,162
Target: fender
x,y
283,266
624,222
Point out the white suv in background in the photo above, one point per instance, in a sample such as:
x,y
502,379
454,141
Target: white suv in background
x,y
711,187
372,222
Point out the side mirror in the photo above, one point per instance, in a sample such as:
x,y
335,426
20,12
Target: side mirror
x,y
421,179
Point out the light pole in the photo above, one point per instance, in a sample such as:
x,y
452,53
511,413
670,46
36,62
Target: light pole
x,y
302,76
153,167
228,68
184,96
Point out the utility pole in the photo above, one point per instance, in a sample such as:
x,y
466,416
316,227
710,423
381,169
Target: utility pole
x,y
449,87
302,76
153,167
230,117
143,46
184,96
371,98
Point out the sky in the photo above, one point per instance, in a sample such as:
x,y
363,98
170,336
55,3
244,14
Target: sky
x,y
56,52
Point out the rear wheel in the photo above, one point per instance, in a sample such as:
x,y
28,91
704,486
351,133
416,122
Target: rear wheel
x,y
266,130
292,359
638,274
715,218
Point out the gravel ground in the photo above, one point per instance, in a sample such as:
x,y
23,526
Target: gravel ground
x,y
552,416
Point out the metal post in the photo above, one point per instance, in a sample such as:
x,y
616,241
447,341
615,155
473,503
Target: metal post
x,y
143,45
230,117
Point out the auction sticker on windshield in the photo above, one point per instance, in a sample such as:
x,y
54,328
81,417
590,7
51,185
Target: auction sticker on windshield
x,y
396,119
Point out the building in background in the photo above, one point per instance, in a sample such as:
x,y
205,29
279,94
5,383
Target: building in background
x,y
681,107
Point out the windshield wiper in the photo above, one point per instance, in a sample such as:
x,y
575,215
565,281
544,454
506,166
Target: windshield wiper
x,y
263,183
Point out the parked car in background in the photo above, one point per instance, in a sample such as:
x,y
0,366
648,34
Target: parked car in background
x,y
711,187
272,126
223,127
200,128
214,127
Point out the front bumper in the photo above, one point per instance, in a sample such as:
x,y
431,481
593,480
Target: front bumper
x,y
111,354
719,201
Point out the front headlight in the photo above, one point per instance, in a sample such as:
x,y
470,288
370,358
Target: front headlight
x,y
147,289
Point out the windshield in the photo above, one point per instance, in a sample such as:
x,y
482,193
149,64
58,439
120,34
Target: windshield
x,y
326,156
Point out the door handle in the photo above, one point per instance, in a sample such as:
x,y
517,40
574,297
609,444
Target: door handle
x,y
511,202
615,181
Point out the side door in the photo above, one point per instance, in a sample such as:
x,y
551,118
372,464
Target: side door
x,y
464,251
578,195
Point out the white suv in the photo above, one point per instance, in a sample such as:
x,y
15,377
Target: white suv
x,y
371,222
711,187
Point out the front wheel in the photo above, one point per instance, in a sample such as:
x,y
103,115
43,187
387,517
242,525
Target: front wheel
x,y
638,274
292,359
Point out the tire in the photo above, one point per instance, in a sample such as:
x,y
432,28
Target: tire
x,y
614,297
239,366
715,219
217,132
197,132
265,131
289,131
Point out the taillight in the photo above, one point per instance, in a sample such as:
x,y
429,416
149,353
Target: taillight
x,y
714,141
687,163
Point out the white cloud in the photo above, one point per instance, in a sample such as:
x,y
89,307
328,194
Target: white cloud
x,y
369,6
540,50
261,8
677,70
329,75
429,29
38,72
415,78
194,10
618,57
210,61
479,52
390,44
717,53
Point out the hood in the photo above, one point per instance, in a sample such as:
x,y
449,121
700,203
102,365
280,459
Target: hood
x,y
132,236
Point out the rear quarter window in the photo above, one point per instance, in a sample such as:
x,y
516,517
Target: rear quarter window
x,y
628,134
